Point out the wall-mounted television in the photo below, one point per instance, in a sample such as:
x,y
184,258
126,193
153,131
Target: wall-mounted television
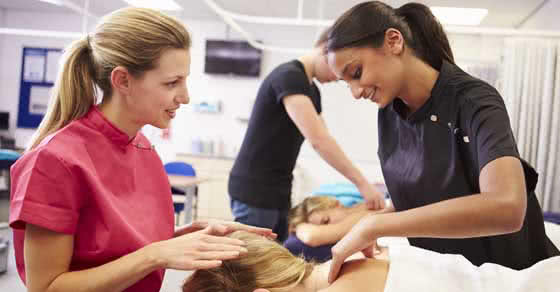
x,y
232,57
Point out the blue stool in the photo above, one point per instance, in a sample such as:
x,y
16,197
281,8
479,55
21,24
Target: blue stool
x,y
184,169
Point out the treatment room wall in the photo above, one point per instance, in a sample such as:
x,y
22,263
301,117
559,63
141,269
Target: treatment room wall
x,y
353,123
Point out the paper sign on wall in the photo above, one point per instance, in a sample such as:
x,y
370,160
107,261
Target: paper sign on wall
x,y
39,99
34,68
38,73
53,59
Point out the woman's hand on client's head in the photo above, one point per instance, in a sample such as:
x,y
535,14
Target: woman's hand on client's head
x,y
191,227
227,227
232,226
203,249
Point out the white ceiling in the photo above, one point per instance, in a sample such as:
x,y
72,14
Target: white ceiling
x,y
502,13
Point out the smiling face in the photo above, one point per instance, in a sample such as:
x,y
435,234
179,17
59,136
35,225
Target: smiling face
x,y
159,92
376,74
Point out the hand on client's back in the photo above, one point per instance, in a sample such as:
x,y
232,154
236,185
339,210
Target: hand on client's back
x,y
375,200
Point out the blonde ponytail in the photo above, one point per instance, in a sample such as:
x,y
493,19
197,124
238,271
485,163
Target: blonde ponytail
x,y
73,93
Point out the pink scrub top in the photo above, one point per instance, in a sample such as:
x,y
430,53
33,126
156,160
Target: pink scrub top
x,y
89,180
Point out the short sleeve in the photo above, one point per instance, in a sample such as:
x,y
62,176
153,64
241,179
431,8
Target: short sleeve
x,y
290,82
318,103
44,193
489,128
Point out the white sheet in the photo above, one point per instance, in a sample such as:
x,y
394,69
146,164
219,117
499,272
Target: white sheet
x,y
416,270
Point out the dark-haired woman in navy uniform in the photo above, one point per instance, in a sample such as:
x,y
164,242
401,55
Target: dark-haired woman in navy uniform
x,y
447,152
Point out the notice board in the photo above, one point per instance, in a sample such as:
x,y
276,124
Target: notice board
x,y
39,68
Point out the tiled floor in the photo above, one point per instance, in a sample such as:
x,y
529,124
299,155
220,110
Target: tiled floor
x,y
10,281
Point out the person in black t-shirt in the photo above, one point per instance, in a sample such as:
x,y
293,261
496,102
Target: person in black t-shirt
x,y
286,111
446,148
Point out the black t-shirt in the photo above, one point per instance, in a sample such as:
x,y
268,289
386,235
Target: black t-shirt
x,y
262,173
437,153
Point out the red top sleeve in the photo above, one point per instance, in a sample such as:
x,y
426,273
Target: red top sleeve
x,y
44,193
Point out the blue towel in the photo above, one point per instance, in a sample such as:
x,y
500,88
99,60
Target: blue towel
x,y
346,193
6,154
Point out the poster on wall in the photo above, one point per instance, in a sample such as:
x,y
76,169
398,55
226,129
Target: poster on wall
x,y
34,68
39,99
53,59
39,70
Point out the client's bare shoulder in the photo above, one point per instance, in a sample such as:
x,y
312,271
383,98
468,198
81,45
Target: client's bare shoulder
x,y
367,275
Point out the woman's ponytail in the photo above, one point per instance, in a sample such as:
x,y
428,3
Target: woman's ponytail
x,y
73,93
429,41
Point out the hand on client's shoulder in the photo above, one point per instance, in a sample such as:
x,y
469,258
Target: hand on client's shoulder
x,y
361,274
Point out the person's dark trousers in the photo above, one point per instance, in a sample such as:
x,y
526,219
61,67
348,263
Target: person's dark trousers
x,y
275,219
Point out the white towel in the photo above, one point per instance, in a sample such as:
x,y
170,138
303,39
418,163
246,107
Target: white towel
x,y
416,270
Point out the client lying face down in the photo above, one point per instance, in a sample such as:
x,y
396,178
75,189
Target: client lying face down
x,y
322,220
269,267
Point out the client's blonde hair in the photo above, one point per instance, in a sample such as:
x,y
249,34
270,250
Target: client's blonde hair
x,y
267,265
301,212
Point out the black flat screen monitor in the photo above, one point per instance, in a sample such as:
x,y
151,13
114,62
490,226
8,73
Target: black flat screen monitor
x,y
232,57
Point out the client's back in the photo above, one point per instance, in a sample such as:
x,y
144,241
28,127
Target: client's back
x,y
367,275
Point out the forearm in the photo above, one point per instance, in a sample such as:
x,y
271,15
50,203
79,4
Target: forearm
x,y
113,276
331,152
470,216
362,207
317,235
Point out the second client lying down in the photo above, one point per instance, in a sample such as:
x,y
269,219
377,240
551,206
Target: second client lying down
x,y
318,222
